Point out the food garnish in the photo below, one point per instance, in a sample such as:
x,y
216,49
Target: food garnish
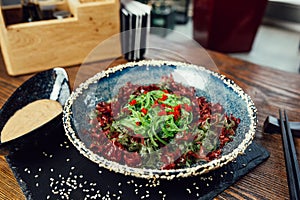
x,y
160,126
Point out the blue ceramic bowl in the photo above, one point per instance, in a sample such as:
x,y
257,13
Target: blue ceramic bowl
x,y
215,87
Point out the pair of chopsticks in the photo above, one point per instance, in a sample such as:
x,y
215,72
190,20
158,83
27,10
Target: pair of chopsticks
x,y
292,165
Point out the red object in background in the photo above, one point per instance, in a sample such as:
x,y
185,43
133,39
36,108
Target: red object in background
x,y
227,25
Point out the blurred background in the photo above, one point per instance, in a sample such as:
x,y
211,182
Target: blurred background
x,y
265,32
273,36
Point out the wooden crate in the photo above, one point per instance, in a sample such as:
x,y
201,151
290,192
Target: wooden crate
x,y
37,46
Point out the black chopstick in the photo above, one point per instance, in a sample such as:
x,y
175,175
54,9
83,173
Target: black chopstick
x,y
292,165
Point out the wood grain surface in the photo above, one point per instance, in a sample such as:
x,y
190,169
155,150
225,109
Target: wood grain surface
x,y
40,45
270,90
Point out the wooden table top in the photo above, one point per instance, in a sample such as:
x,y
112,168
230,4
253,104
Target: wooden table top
x,y
270,90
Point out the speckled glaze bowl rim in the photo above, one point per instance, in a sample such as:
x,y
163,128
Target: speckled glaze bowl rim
x,y
157,173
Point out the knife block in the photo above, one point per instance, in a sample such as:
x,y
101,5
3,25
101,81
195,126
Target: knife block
x,y
41,45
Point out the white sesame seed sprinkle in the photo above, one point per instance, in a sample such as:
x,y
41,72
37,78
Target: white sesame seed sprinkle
x,y
142,63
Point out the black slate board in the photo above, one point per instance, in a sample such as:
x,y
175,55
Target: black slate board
x,y
59,171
